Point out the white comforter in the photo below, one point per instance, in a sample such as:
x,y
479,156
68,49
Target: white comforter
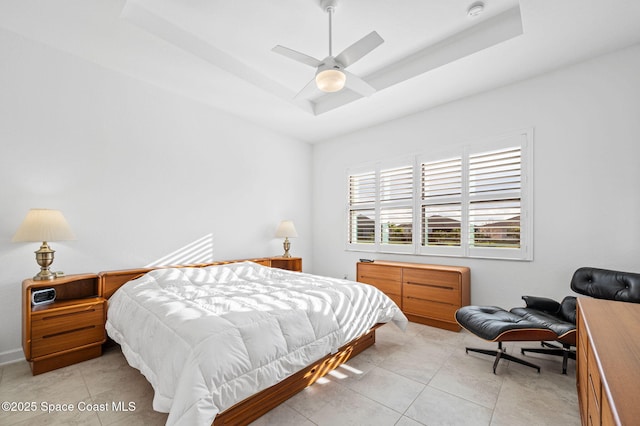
x,y
207,338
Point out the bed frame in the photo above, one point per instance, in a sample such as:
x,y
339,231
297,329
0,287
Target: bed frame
x,y
259,404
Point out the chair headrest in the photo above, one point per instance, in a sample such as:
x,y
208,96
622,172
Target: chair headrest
x,y
607,284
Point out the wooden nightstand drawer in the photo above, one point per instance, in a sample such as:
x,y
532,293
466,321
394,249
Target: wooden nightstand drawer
x,y
288,263
56,321
60,329
70,339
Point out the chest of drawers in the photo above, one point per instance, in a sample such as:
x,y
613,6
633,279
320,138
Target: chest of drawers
x,y
428,294
608,362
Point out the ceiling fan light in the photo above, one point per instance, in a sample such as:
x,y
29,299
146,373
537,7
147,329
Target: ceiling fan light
x,y
330,80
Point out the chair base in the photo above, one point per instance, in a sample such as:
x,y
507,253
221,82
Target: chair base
x,y
501,353
564,351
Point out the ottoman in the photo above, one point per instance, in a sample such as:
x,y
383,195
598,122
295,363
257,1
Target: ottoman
x,y
498,325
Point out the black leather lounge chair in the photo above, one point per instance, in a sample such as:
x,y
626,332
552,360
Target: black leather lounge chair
x,y
544,319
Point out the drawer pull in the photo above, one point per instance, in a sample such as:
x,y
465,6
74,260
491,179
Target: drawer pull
x,y
378,278
431,285
68,331
431,301
50,317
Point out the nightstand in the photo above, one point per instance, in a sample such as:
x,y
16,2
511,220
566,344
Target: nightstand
x,y
67,331
288,263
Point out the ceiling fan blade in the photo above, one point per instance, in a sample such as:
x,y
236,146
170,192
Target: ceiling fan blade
x,y
358,49
307,91
358,85
297,56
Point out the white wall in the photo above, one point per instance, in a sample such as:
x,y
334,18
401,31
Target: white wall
x,y
137,172
586,120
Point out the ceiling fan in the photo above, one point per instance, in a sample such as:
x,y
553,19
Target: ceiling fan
x,y
331,75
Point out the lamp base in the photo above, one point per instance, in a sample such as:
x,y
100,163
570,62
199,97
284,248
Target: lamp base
x,y
287,245
44,276
44,257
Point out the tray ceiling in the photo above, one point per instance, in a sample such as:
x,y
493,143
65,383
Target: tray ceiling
x,y
219,52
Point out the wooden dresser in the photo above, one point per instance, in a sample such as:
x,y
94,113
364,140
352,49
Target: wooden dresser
x,y
428,294
608,362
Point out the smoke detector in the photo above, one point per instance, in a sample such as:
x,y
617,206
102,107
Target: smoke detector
x,y
475,9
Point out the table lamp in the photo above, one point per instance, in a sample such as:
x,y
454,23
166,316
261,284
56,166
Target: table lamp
x,y
285,230
44,225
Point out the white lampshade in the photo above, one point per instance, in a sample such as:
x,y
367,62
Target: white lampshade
x,y
44,225
330,80
286,229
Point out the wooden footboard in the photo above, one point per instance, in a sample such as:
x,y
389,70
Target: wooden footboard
x,y
259,404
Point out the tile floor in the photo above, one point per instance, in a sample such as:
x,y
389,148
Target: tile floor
x,y
420,377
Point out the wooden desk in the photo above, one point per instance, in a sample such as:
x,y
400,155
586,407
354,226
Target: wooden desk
x,y
608,362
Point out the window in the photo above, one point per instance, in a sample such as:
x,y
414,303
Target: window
x,y
362,213
494,198
475,203
441,205
381,203
396,206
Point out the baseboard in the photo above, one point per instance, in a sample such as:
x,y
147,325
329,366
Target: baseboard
x,y
9,357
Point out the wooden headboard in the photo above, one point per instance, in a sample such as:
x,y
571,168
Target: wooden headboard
x,y
110,281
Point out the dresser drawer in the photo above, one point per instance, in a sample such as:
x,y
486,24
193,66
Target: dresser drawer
x,y
583,381
443,279
61,329
583,338
594,389
397,299
435,293
386,279
437,310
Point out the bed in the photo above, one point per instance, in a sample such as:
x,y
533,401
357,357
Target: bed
x,y
223,344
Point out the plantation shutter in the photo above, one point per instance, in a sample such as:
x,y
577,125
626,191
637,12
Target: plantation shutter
x,y
441,203
396,205
362,198
472,201
495,188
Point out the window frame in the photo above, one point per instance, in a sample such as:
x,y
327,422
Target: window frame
x,y
522,139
